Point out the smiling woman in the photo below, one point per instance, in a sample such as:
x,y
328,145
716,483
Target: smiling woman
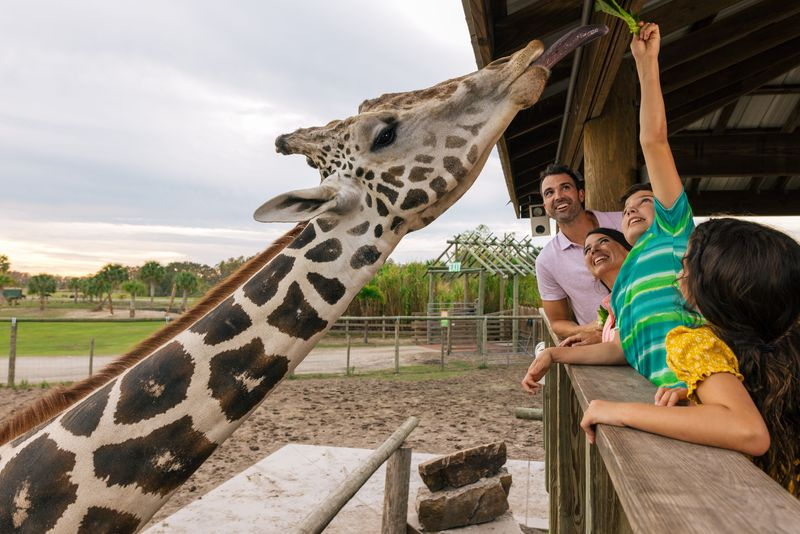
x,y
604,253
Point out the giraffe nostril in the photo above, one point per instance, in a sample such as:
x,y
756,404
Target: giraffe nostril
x,y
281,145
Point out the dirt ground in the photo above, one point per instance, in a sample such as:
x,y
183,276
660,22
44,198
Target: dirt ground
x,y
455,413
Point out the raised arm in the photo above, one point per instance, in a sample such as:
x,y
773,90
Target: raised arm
x,y
653,119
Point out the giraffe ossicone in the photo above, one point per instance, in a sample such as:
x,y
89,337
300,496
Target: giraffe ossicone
x,y
111,459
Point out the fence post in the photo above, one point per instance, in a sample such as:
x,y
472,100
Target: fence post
x,y
395,492
383,328
347,369
397,346
12,353
366,330
484,339
444,332
91,355
450,337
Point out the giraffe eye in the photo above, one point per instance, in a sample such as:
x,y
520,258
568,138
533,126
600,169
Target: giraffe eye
x,y
385,137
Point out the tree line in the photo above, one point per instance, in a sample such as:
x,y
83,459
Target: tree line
x,y
396,289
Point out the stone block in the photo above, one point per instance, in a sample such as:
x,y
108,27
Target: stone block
x,y
463,467
475,503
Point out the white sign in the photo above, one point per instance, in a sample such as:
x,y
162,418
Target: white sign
x,y
454,266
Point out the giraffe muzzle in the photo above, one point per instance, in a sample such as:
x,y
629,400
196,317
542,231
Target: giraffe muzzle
x,y
282,145
569,42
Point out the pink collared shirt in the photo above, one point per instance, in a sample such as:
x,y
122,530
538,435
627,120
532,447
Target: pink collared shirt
x,y
562,274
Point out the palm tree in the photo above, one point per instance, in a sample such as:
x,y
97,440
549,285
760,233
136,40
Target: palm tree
x,y
97,286
42,285
113,274
186,282
134,287
152,273
74,284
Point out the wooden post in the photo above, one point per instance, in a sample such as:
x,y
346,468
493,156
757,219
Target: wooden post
x,y
610,144
383,328
484,339
501,294
12,353
91,356
450,336
444,332
480,310
466,289
366,330
431,290
395,492
347,337
515,312
320,518
397,346
347,369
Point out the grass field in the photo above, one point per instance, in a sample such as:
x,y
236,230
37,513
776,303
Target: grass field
x,y
72,339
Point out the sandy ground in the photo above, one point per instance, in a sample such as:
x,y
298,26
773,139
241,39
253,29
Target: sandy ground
x,y
459,412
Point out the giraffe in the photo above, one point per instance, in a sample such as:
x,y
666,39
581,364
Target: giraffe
x,y
109,460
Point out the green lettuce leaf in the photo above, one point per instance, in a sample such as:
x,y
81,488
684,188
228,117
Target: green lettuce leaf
x,y
615,10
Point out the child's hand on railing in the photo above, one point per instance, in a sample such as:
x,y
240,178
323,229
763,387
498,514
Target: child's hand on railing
x,y
602,412
671,396
536,371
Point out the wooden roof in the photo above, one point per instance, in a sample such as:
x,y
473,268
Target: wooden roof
x,y
731,80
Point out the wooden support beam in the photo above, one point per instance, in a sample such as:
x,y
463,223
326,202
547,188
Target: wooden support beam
x,y
785,89
538,20
745,203
610,144
792,121
524,166
689,104
677,14
724,117
539,138
771,154
724,33
706,63
596,74
480,31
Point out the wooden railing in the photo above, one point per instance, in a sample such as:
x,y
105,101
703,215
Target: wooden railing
x,y
633,481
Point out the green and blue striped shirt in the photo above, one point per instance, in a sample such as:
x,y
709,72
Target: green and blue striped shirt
x,y
645,298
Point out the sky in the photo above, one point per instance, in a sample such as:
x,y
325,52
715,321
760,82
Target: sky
x,y
135,131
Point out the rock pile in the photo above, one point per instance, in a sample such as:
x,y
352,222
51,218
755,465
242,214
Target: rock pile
x,y
465,488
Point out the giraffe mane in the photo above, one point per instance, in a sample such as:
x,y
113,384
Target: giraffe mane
x,y
62,398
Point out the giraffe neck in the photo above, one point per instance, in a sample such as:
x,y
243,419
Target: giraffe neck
x,y
115,457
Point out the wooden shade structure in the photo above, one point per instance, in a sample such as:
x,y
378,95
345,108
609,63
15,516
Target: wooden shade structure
x,y
731,80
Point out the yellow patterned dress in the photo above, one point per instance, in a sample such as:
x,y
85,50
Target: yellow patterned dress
x,y
694,354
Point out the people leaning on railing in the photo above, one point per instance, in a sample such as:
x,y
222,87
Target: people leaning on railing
x,y
740,281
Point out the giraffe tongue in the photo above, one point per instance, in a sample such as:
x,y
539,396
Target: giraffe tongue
x,y
569,42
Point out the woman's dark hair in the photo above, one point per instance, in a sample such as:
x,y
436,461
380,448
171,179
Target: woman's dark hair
x,y
745,280
616,235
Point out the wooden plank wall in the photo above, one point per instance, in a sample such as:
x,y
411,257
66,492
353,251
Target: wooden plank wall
x,y
633,481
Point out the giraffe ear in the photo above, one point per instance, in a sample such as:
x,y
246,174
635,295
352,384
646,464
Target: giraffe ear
x,y
305,204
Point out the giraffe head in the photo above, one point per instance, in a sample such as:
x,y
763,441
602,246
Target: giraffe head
x,y
407,157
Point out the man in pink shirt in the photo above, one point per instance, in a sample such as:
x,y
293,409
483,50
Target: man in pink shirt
x,y
570,294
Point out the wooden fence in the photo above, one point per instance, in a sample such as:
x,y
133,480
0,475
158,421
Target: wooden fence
x,y
633,481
